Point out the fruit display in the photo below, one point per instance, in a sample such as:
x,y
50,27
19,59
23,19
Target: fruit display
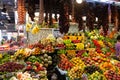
x,y
107,66
92,68
90,54
71,53
79,46
36,66
11,67
4,58
28,76
60,46
77,62
97,76
64,63
38,44
22,53
61,51
70,46
112,75
46,60
49,48
34,59
76,72
80,53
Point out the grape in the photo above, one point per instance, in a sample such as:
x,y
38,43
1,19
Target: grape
x,y
10,67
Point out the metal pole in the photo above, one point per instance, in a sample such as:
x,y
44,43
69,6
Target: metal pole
x,y
73,13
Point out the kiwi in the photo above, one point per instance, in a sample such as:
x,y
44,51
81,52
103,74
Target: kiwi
x,y
45,60
49,58
42,58
46,65
45,56
49,62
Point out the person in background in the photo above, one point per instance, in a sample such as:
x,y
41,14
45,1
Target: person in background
x,y
3,41
117,47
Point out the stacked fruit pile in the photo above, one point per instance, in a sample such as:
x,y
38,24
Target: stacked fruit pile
x,y
46,60
91,69
72,55
11,67
111,75
96,76
64,63
77,70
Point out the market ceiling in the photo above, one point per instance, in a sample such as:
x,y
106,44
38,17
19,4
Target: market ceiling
x,y
55,5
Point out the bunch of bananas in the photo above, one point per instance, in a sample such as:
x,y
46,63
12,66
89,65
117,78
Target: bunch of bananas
x,y
22,53
28,27
35,30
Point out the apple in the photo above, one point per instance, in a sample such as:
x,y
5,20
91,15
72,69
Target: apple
x,y
28,63
37,64
29,67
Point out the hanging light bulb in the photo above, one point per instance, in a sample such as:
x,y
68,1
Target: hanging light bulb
x,y
79,1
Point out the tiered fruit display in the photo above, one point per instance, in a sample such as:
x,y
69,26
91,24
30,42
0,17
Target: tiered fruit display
x,y
60,46
22,53
11,67
64,63
49,48
29,76
107,66
79,46
96,76
77,62
31,46
80,53
36,66
91,69
112,75
71,53
61,51
95,58
34,59
117,64
78,69
76,72
46,60
70,46
4,58
87,61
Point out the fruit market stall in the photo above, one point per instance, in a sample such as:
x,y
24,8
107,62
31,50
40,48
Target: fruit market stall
x,y
73,56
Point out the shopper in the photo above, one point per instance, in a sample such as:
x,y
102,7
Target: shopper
x,y
117,47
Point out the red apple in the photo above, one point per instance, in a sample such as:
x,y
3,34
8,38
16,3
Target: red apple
x,y
37,64
28,63
29,67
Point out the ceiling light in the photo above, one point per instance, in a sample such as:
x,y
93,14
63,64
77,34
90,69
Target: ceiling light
x,y
79,1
